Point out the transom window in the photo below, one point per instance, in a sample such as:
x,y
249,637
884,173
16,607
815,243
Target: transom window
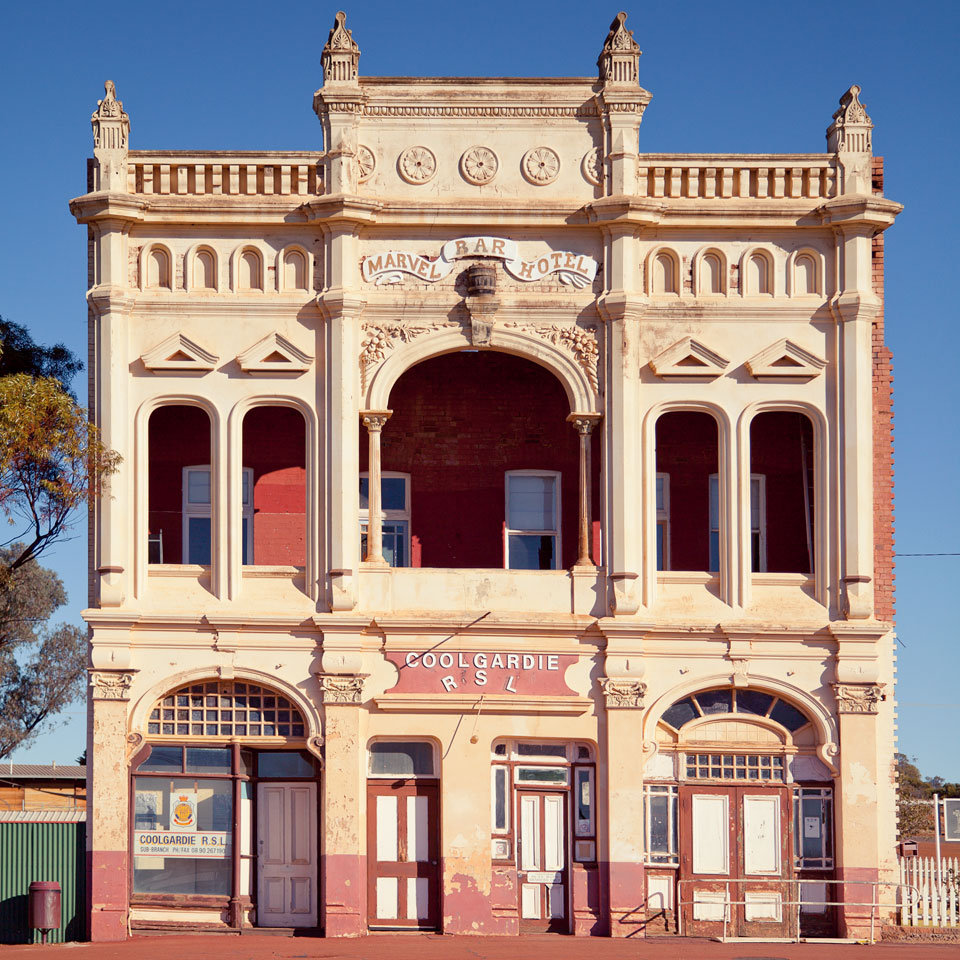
x,y
222,709
729,700
196,515
402,758
395,516
533,520
734,766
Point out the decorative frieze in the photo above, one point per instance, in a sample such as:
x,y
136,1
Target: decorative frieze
x,y
540,166
341,688
591,166
479,165
581,342
858,697
366,163
110,684
622,692
417,165
380,339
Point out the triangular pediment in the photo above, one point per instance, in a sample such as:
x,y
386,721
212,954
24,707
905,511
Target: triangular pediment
x,y
274,355
179,355
688,360
785,361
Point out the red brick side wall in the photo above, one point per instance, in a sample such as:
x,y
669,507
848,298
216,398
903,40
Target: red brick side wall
x,y
459,422
883,493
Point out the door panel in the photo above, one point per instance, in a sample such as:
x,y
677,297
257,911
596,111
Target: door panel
x,y
542,859
403,843
735,842
287,854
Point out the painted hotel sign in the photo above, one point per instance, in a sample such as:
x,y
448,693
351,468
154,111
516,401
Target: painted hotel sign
x,y
534,674
573,268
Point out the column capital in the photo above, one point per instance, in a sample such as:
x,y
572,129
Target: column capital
x,y
861,698
622,692
584,423
374,420
341,689
110,684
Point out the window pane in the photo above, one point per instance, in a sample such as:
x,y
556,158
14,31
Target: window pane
x,y
755,503
680,713
660,498
198,531
541,750
245,532
750,701
583,798
209,804
659,811
393,493
714,551
542,774
390,758
531,552
714,502
164,760
364,493
208,759
660,538
789,716
531,502
394,536
286,763
500,798
715,701
198,486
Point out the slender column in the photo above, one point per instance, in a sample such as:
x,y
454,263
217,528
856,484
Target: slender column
x,y
374,420
584,423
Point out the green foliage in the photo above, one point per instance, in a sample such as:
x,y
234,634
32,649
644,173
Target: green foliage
x,y
51,461
914,806
22,355
42,668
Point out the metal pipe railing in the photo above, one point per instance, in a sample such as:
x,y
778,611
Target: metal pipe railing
x,y
874,904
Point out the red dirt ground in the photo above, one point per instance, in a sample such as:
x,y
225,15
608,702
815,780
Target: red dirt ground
x,y
433,947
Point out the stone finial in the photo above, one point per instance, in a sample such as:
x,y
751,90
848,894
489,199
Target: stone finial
x,y
850,130
111,135
341,55
620,59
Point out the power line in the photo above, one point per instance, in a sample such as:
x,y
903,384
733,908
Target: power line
x,y
927,555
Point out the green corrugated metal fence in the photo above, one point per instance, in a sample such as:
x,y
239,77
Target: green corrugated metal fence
x,y
42,851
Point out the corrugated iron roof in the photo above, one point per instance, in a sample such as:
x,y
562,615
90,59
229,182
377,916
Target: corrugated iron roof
x,y
41,771
43,816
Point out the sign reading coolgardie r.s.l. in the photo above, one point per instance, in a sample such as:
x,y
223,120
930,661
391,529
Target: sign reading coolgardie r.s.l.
x,y
490,672
576,269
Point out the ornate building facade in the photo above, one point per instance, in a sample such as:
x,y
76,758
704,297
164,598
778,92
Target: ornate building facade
x,y
503,538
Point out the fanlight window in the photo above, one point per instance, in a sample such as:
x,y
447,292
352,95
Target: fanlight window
x,y
225,709
728,700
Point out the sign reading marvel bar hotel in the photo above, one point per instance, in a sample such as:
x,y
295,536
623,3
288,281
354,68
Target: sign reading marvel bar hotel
x,y
448,672
573,268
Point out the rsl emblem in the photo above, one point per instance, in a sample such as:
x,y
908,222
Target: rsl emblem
x,y
184,814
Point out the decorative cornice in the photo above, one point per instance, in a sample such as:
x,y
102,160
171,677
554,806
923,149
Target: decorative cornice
x,y
341,689
110,684
475,110
622,692
858,697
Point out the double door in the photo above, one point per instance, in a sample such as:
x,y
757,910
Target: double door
x,y
403,854
542,860
735,857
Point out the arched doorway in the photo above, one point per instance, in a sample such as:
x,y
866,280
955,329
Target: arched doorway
x,y
737,807
224,815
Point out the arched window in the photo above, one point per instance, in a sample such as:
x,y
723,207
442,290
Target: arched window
x,y
249,273
805,276
294,270
205,270
711,274
759,275
158,269
665,279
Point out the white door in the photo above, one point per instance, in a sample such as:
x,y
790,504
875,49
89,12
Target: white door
x,y
543,861
287,855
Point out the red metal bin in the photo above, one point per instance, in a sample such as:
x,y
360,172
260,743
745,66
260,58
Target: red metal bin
x,y
45,906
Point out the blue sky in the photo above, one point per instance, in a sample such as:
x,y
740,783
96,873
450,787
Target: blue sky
x,y
756,77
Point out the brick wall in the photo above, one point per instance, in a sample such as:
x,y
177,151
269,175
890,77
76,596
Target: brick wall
x,y
883,493
459,422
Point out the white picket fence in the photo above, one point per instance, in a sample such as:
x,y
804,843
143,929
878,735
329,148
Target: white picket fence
x,y
933,909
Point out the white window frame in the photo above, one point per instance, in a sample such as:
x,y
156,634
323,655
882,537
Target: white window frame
x,y
671,856
390,516
759,529
191,510
663,518
557,515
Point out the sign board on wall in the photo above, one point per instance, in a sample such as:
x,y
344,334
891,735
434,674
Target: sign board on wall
x,y
168,843
575,269
951,819
431,671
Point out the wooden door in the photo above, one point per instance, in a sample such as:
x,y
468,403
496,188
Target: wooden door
x,y
287,854
734,846
403,854
542,861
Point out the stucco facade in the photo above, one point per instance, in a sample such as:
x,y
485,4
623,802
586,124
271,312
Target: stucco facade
x,y
503,537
